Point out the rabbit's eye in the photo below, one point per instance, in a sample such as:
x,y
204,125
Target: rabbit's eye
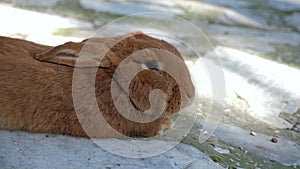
x,y
152,65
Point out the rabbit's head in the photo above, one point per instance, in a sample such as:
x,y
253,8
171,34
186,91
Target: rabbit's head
x,y
150,72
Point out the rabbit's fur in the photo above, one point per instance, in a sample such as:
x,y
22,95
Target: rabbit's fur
x,y
36,87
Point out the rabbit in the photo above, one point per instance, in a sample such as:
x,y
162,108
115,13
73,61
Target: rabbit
x,y
37,87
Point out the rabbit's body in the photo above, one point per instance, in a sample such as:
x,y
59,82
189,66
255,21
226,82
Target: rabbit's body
x,y
36,89
34,96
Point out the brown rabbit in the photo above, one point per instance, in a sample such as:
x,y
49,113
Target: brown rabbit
x,y
36,92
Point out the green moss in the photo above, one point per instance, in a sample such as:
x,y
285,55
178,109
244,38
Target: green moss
x,y
72,32
65,32
218,159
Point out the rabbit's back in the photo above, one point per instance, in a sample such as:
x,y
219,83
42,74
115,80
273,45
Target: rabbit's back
x,y
33,95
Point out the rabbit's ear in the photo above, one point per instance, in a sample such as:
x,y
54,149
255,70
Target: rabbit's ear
x,y
69,54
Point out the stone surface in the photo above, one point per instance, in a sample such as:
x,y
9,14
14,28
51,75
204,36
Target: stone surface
x,y
242,17
44,3
245,42
221,150
130,7
23,150
230,3
293,20
255,41
285,5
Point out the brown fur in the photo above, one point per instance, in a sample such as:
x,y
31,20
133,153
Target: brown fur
x,y
36,87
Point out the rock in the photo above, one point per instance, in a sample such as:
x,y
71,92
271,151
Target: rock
x,y
24,150
221,150
274,140
293,20
292,118
131,7
254,41
230,3
38,3
285,5
296,127
242,17
234,12
252,133
247,43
